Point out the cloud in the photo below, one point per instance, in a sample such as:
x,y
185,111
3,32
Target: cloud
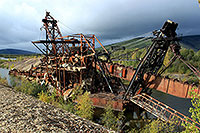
x,y
110,20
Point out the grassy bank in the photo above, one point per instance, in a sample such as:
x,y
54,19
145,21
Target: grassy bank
x,y
84,108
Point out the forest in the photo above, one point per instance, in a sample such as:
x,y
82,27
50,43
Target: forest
x,y
178,68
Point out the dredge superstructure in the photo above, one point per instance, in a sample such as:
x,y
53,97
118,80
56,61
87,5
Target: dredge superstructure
x,y
73,60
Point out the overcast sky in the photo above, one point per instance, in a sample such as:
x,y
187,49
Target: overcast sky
x,y
110,20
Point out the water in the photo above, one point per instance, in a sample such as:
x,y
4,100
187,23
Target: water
x,y
4,73
3,58
180,104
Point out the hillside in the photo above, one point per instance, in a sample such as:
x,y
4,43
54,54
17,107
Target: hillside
x,y
190,42
128,52
15,52
130,44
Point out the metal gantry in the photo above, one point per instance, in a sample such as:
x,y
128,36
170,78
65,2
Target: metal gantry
x,y
72,60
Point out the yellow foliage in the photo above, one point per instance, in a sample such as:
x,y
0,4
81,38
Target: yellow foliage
x,y
49,97
84,106
43,97
12,66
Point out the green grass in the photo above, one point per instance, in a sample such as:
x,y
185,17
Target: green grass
x,y
27,87
3,81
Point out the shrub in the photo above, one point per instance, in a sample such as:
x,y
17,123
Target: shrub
x,y
19,58
12,66
84,106
3,81
69,103
158,126
48,98
31,88
44,97
111,121
195,112
14,81
68,106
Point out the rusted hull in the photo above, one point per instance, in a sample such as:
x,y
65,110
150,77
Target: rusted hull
x,y
166,85
102,100
160,83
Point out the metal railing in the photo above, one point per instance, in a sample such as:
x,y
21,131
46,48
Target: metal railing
x,y
161,110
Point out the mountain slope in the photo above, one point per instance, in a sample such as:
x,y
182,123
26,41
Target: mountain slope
x,y
130,44
15,52
190,42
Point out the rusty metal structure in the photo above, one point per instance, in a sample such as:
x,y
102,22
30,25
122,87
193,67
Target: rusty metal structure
x,y
69,60
73,60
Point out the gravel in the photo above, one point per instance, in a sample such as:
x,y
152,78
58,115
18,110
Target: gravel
x,y
24,113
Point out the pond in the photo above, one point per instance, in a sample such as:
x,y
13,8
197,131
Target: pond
x,y
180,104
4,73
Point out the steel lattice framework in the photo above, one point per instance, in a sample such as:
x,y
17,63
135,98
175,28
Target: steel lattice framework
x,y
73,60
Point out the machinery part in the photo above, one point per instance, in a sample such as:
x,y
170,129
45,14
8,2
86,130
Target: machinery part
x,y
161,110
104,75
153,59
69,59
